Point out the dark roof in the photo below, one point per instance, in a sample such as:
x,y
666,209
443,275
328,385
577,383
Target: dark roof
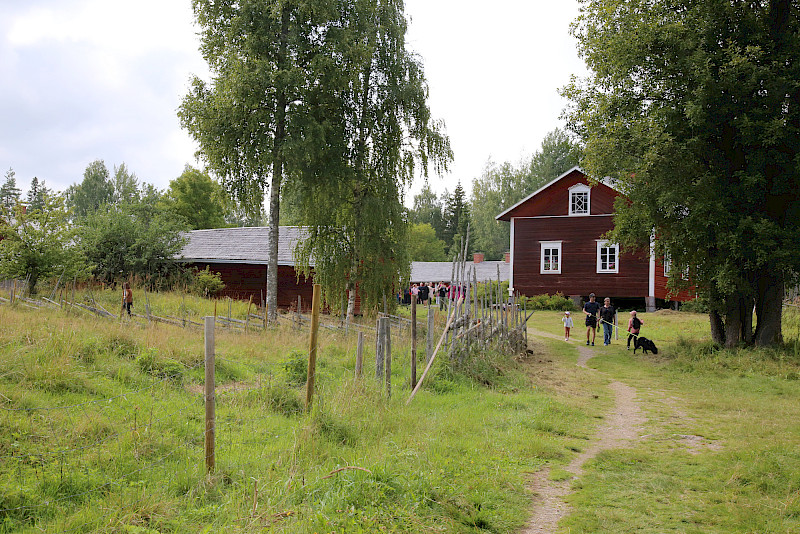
x,y
442,271
240,245
250,244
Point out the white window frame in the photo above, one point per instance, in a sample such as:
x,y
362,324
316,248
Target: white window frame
x,y
550,245
667,265
606,245
580,188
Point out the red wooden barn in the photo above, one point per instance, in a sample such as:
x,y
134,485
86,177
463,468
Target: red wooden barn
x,y
240,255
556,246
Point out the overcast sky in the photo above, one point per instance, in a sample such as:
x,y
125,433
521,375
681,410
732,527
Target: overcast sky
x,y
102,79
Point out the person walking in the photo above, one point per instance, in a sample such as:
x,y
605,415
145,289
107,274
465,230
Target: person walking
x,y
442,296
607,313
127,298
568,323
590,309
634,324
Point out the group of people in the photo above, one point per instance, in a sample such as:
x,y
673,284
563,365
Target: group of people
x,y
424,292
596,314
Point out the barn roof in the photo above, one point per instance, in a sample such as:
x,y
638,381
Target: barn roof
x,y
438,271
240,245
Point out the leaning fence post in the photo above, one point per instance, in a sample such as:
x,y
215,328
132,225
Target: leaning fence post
x,y
210,398
312,346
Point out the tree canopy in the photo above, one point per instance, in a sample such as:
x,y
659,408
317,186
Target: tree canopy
x,y
38,242
198,199
693,108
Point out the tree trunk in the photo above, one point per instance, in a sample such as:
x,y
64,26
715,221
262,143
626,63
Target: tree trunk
x,y
714,316
769,307
281,105
733,320
717,327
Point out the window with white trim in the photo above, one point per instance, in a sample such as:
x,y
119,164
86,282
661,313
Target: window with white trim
x,y
550,257
667,265
607,257
579,199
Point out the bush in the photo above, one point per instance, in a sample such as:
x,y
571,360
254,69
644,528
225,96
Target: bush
x,y
698,305
207,283
295,368
556,302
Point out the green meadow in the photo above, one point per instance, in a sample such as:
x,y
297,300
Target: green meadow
x,y
102,430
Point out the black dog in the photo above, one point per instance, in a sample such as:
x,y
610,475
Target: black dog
x,y
645,344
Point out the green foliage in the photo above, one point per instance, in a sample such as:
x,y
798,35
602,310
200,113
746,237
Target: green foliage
x,y
556,302
206,283
9,193
423,245
456,220
39,242
428,209
295,368
197,198
94,191
379,136
132,240
688,108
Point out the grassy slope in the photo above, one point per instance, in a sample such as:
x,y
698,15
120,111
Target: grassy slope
x,y
455,460
102,431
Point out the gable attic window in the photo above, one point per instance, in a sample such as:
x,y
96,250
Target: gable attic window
x,y
579,196
550,257
607,257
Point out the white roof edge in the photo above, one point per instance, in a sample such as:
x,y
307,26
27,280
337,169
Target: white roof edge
x,y
575,168
217,260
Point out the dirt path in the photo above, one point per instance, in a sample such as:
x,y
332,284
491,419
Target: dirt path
x,y
621,426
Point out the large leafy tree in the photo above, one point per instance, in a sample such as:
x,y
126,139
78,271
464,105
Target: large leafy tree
x,y
38,241
428,209
423,245
198,199
372,123
132,239
263,55
694,109
95,190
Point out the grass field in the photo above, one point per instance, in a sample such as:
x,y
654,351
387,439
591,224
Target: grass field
x,y
101,430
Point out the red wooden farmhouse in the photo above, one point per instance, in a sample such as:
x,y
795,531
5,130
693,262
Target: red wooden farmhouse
x,y
556,246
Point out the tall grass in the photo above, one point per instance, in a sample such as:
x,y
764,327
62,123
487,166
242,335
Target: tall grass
x,y
102,431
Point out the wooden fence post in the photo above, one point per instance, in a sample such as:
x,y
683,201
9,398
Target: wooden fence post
x,y
312,346
379,350
387,342
360,355
429,346
210,398
414,342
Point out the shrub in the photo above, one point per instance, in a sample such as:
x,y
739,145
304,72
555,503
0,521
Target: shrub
x,y
556,302
207,283
295,368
